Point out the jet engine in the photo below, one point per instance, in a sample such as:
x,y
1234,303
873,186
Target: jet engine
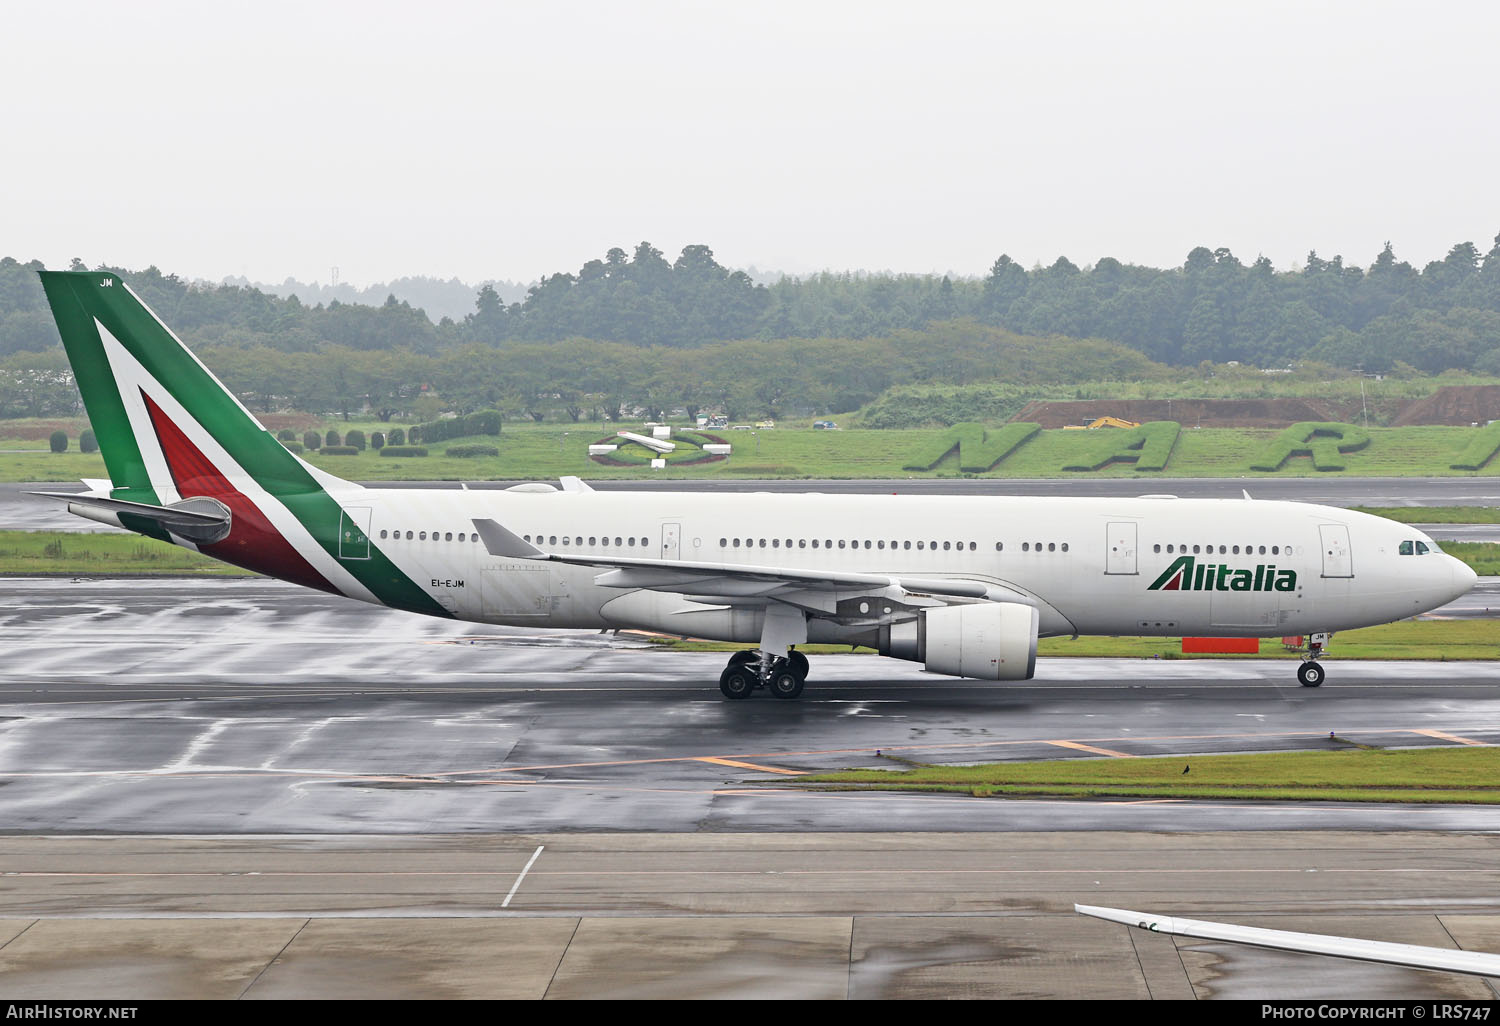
x,y
986,640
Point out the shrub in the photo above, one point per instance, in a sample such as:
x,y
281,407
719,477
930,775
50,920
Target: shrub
x,y
332,438
1324,442
340,450
312,441
377,440
58,441
472,449
398,437
286,435
415,434
485,422
356,438
403,450
293,446
1480,450
87,442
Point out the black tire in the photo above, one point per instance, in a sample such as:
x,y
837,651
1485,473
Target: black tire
x,y
786,684
798,663
744,656
1310,674
738,682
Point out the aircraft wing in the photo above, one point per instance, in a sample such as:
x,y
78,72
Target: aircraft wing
x,y
1414,956
814,590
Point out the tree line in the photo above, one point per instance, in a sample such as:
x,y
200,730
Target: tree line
x,y
635,330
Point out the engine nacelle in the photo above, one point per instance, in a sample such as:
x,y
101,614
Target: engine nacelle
x,y
987,640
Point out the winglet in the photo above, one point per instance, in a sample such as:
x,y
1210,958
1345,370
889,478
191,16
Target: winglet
x,y
574,484
501,542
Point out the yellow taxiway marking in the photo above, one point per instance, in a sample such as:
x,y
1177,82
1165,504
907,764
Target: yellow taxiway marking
x,y
1090,748
750,766
1451,737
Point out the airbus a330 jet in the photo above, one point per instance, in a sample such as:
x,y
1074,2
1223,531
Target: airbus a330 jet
x,y
964,585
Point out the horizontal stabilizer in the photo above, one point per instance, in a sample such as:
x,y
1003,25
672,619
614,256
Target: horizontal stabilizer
x,y
1474,963
199,520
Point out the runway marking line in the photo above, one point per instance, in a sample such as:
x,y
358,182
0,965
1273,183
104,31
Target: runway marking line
x,y
749,766
1079,746
1451,737
515,886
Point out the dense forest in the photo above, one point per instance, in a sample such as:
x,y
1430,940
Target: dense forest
x,y
637,330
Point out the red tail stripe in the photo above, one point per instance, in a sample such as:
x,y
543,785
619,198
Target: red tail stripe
x,y
254,542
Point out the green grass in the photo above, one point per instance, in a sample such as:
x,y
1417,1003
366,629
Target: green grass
x,y
1434,640
56,552
1435,514
1353,774
543,451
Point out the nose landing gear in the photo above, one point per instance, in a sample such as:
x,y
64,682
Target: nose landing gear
x,y
751,669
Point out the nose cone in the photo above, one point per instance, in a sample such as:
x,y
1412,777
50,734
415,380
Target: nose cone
x,y
1464,578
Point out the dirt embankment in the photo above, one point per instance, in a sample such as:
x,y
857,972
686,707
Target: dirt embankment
x,y
1454,404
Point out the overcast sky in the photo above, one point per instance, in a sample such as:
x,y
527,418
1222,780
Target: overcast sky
x,y
511,140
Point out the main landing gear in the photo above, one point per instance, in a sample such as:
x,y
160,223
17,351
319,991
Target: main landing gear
x,y
1310,674
752,669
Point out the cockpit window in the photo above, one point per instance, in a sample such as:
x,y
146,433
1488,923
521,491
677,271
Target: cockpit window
x,y
1422,549
1405,548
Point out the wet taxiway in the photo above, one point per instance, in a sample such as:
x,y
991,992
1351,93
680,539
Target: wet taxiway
x,y
250,705
238,788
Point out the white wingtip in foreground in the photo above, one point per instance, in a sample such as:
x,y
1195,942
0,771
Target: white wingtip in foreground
x,y
1413,956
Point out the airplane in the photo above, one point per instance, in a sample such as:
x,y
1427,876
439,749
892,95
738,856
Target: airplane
x,y
964,585
1411,956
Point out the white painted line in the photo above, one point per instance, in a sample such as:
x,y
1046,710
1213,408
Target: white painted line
x,y
517,884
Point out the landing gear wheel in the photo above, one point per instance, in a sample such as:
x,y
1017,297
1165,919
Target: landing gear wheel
x,y
738,681
748,655
798,663
1310,674
785,683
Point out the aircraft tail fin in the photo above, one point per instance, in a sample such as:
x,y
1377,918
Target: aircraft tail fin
x,y
167,427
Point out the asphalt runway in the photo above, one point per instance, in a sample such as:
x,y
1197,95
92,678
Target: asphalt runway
x,y
238,788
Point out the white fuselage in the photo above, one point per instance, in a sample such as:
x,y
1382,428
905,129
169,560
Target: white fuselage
x,y
1090,566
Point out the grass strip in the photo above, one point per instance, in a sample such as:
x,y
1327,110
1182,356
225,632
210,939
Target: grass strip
x,y
1467,775
61,552
1434,514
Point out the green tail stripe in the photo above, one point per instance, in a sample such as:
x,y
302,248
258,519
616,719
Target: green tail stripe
x,y
67,294
80,297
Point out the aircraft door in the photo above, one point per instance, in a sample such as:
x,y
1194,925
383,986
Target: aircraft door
x,y
354,533
1119,548
671,547
1338,559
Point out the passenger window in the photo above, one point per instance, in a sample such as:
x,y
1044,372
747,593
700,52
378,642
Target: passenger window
x,y
906,544
815,543
1236,550
1275,550
775,543
801,543
630,541
841,543
1065,546
921,545
422,536
946,546
382,534
973,546
762,543
1026,546
1052,546
1157,548
880,544
867,543
999,546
